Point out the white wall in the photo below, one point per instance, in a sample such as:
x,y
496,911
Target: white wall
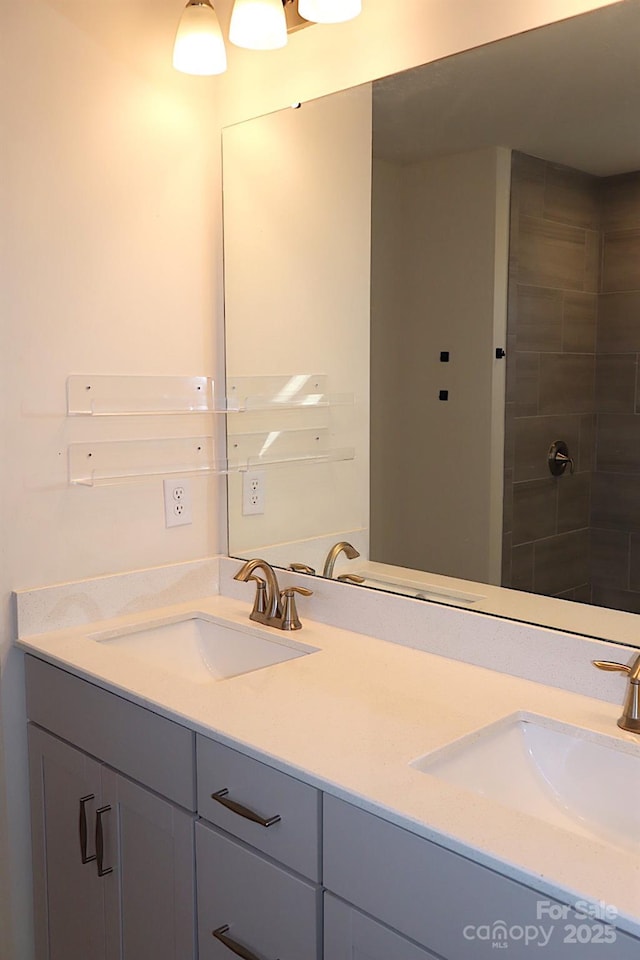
x,y
109,251
440,235
110,218
387,37
297,291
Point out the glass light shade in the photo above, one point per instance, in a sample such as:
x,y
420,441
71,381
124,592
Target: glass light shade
x,y
199,47
258,24
329,11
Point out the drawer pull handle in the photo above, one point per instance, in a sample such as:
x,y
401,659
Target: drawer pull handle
x,y
233,945
102,870
82,827
235,807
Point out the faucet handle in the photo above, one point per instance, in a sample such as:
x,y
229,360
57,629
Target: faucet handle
x,y
630,719
350,578
260,601
302,568
633,671
290,619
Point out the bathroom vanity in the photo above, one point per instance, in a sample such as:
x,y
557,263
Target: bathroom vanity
x,y
290,792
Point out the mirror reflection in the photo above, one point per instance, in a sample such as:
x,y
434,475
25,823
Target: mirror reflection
x,y
456,252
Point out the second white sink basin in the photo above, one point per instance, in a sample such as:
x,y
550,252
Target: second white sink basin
x,y
202,649
571,778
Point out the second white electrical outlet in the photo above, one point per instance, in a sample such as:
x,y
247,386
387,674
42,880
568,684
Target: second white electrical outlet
x,y
177,502
253,490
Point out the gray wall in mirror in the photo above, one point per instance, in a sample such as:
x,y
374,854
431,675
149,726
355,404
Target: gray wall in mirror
x,y
560,103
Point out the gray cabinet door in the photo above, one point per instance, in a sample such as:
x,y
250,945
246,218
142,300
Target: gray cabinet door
x,y
69,896
144,903
155,905
350,935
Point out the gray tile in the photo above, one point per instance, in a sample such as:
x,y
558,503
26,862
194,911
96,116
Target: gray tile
x,y
539,312
586,450
574,492
561,563
618,444
509,438
527,384
566,595
551,255
626,600
572,197
620,201
615,501
512,305
634,565
610,558
567,383
507,502
534,436
522,567
616,383
579,322
582,594
505,575
621,261
534,510
528,178
593,261
619,323
511,375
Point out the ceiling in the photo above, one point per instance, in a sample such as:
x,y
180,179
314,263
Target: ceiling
x,y
569,92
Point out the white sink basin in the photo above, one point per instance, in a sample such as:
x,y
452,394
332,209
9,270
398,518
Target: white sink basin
x,y
201,649
571,778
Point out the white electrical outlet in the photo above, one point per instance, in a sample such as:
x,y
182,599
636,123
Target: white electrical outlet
x,y
253,490
177,503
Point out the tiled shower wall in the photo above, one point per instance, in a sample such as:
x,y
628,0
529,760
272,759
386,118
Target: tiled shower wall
x,y
573,347
615,511
551,343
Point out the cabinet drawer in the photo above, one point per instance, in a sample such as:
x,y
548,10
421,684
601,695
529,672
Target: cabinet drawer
x,y
294,839
266,909
349,933
150,749
439,898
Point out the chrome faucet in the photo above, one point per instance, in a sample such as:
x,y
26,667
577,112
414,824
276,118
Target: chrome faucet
x,y
271,606
630,719
342,547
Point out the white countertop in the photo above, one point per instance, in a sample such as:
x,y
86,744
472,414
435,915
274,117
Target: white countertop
x,y
351,717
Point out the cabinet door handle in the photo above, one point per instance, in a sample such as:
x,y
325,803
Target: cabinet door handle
x,y
235,807
102,870
82,827
233,945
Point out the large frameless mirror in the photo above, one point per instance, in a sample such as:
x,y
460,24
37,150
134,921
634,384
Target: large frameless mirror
x,y
432,298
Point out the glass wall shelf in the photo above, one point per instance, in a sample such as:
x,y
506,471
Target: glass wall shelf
x,y
111,461
104,396
91,464
271,448
107,396
297,391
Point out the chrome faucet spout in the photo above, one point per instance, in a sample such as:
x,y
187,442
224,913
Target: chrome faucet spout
x,y
273,610
342,547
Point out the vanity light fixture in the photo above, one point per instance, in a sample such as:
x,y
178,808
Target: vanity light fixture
x,y
255,24
258,24
199,47
329,11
